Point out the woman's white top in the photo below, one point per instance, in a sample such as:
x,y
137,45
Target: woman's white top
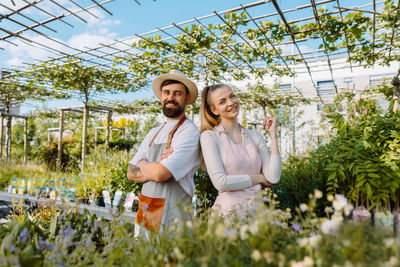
x,y
212,149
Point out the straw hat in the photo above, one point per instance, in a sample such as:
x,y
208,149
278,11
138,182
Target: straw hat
x,y
177,76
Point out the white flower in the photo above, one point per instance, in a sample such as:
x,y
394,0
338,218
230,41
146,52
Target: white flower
x,y
328,209
318,194
329,226
347,209
330,198
339,203
220,230
337,217
253,228
231,234
296,264
302,241
243,231
393,261
308,261
315,240
346,242
303,207
256,255
269,256
179,254
389,242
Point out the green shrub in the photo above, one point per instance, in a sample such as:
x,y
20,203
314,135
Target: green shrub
x,y
205,190
301,176
120,144
119,181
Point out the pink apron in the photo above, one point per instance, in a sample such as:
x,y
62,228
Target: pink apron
x,y
238,159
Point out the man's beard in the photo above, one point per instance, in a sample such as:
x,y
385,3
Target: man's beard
x,y
174,111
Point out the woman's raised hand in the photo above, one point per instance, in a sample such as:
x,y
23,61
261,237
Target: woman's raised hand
x,y
270,124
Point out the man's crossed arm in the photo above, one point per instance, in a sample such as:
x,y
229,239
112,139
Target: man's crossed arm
x,y
146,171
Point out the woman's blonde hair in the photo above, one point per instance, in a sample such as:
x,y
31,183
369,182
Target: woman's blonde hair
x,y
208,119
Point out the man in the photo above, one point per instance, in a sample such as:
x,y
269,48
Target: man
x,y
167,158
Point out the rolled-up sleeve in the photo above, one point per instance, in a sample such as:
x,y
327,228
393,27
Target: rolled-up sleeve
x,y
271,164
215,168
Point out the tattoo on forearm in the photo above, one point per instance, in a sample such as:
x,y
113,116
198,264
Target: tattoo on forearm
x,y
134,170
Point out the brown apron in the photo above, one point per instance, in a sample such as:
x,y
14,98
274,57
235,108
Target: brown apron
x,y
159,203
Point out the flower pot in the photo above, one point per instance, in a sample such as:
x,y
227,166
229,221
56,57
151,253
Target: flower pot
x,y
384,220
99,202
361,214
83,200
396,217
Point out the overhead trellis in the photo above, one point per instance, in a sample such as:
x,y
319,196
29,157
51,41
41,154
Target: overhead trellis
x,y
264,38
38,17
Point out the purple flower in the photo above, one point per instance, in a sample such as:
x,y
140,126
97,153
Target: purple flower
x,y
12,248
60,263
44,245
88,242
24,235
296,227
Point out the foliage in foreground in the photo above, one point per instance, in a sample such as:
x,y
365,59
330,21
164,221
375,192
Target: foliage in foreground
x,y
269,237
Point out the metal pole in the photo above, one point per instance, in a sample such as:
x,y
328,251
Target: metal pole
x,y
60,136
191,112
1,135
84,131
8,138
25,141
95,135
396,82
108,131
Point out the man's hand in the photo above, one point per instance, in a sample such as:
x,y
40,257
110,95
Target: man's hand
x,y
134,174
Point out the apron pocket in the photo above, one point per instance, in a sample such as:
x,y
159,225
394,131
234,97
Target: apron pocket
x,y
150,212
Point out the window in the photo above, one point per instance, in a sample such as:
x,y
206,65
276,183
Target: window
x,y
348,80
325,88
286,88
376,79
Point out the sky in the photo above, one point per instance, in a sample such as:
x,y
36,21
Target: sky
x,y
128,18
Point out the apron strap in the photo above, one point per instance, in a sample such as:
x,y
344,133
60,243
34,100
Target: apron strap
x,y
171,133
154,137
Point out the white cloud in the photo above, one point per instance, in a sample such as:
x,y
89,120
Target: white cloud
x,y
87,39
24,52
14,62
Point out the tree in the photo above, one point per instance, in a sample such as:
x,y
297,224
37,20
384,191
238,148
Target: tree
x,y
73,76
14,91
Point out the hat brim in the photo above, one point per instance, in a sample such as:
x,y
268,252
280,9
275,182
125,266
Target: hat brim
x,y
191,86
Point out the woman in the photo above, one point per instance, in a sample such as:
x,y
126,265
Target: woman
x,y
237,159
